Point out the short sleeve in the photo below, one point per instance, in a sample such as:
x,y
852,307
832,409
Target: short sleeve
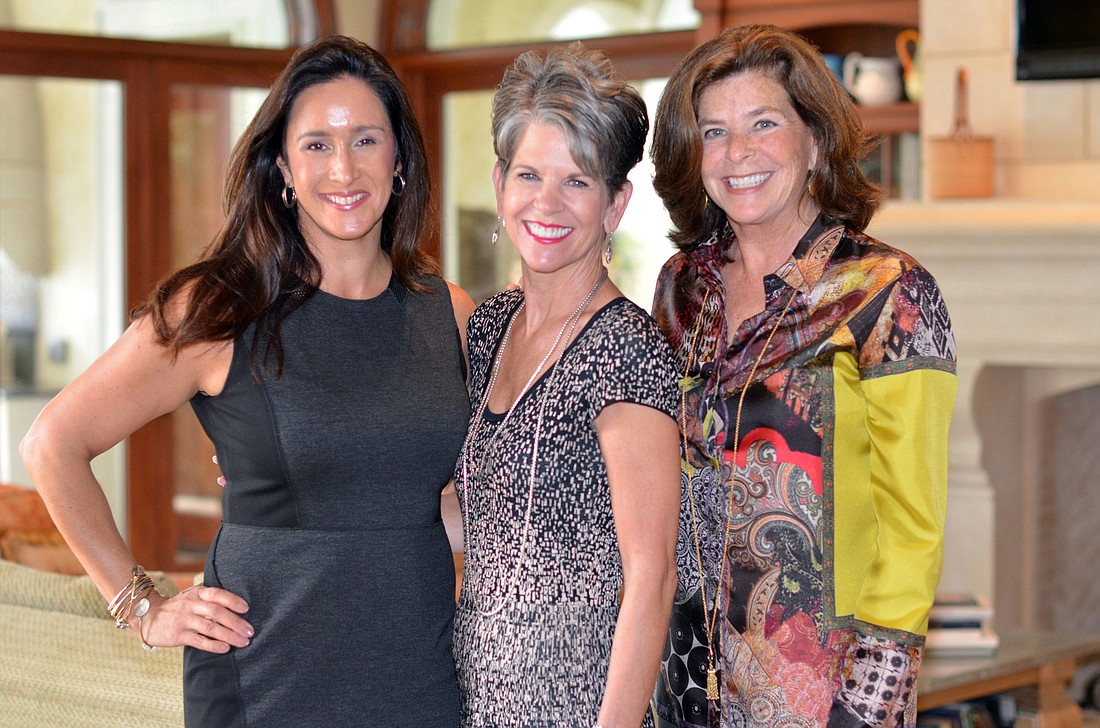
x,y
634,363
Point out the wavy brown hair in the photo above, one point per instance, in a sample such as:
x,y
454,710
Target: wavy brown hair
x,y
258,268
837,184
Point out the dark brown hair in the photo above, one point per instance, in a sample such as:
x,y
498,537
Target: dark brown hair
x,y
837,184
259,268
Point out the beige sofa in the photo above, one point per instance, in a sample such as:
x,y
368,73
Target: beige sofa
x,y
62,662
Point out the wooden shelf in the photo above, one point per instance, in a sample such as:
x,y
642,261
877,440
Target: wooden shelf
x,y
798,14
833,26
892,119
1025,659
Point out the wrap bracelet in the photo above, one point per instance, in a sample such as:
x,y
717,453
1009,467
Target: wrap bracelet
x,y
141,633
132,600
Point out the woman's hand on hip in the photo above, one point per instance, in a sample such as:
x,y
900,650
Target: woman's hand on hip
x,y
203,617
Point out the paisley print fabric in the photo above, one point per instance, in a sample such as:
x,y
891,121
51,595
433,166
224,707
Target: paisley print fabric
x,y
813,624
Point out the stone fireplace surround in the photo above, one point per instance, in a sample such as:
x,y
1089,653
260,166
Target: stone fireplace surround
x,y
1022,284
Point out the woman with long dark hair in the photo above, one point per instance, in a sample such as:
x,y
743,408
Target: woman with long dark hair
x,y
325,360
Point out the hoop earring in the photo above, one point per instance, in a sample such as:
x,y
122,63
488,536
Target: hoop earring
x,y
398,191
496,232
607,253
289,198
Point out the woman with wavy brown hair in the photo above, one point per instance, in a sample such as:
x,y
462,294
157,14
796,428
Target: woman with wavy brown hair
x,y
325,360
817,377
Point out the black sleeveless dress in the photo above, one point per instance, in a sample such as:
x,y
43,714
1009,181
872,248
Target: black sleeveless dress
x,y
331,521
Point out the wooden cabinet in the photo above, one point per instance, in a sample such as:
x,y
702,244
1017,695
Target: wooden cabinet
x,y
807,13
834,26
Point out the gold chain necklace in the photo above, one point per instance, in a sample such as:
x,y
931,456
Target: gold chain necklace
x,y
479,416
710,618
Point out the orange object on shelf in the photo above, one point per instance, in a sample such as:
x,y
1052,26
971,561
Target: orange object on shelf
x,y
960,165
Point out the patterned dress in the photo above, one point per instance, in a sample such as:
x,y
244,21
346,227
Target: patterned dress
x,y
542,576
834,544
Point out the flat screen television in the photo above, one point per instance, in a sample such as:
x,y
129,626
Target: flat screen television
x,y
1057,39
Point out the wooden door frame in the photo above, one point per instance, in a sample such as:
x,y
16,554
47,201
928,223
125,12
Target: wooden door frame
x,y
430,75
147,70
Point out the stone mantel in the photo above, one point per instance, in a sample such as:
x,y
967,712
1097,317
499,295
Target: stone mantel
x,y
1021,279
993,217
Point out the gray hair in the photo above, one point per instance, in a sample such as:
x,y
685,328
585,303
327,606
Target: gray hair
x,y
604,119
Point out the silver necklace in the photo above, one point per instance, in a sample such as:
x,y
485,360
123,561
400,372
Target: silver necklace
x,y
569,326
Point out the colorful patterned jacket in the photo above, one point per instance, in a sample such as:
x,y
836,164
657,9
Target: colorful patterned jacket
x,y
833,547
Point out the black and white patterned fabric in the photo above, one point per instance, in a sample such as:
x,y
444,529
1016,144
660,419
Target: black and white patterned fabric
x,y
540,595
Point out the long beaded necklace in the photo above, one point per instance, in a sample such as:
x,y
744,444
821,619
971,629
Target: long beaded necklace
x,y
563,338
710,619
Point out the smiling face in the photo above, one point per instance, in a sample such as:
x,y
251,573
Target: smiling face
x,y
340,158
757,153
556,215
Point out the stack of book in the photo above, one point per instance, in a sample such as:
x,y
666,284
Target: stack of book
x,y
959,624
995,711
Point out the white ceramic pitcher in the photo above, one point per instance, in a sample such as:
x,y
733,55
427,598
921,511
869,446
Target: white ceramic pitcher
x,y
873,81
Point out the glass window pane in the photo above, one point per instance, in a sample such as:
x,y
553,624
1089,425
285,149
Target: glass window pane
x,y
641,245
472,23
204,123
469,204
251,23
469,208
61,251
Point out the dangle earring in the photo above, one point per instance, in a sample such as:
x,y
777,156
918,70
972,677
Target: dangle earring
x,y
607,253
811,184
398,191
496,232
289,198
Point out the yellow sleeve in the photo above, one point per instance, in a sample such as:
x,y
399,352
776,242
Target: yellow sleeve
x,y
891,490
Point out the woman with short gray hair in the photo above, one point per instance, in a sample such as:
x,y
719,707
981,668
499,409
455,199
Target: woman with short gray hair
x,y
569,476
